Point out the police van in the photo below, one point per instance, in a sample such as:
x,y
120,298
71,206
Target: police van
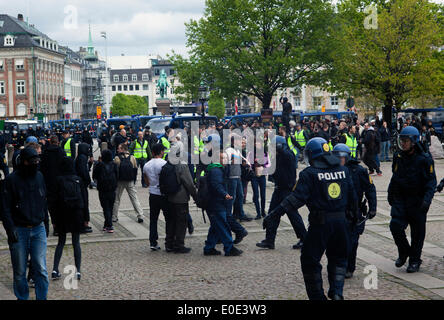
x,y
158,125
250,117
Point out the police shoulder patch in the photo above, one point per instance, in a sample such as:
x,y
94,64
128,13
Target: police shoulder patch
x,y
431,168
326,147
370,179
334,190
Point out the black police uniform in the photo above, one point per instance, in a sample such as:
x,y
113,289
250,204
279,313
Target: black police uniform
x,y
363,184
326,188
410,194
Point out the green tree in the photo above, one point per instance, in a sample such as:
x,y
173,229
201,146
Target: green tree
x,y
126,105
255,47
216,105
396,61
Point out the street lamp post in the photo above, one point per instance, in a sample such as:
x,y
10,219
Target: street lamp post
x,y
203,96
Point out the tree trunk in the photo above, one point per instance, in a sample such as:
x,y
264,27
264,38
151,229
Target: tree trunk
x,y
387,113
266,101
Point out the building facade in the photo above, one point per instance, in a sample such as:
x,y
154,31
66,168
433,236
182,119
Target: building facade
x,y
31,71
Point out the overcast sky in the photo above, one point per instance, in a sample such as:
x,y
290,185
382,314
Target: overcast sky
x,y
133,27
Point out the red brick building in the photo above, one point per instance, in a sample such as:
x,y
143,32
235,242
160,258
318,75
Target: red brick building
x,y
31,71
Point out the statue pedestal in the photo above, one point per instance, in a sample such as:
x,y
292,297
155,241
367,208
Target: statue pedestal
x,y
163,106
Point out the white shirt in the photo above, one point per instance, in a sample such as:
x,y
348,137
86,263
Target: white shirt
x,y
152,170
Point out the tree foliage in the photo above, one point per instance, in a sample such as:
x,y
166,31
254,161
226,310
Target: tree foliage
x,y
396,62
126,105
216,105
255,47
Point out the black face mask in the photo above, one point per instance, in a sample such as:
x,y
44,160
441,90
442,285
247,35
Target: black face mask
x,y
30,170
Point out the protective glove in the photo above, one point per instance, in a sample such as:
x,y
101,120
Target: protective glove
x,y
276,211
440,186
13,237
424,207
390,200
371,214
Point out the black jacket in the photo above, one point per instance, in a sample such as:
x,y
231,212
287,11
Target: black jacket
x,y
81,164
50,166
24,201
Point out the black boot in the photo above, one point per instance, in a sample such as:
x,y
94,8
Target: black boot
x,y
336,277
313,285
265,245
400,262
414,266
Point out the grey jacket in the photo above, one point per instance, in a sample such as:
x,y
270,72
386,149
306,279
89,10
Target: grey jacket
x,y
186,185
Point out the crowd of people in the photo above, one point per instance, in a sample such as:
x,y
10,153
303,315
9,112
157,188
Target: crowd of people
x,y
53,170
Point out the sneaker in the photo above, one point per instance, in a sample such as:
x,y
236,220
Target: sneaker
x,y
155,248
139,220
105,229
87,229
55,275
240,237
31,283
212,252
298,245
265,245
182,250
110,230
190,228
234,252
78,276
245,218
379,174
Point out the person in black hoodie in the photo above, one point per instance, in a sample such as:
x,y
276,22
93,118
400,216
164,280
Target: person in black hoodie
x,y
68,216
106,175
24,216
50,166
82,170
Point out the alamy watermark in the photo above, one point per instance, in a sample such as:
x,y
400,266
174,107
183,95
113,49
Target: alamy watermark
x,y
371,281
371,20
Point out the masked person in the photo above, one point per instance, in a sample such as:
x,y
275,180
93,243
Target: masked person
x,y
410,194
363,184
327,189
24,216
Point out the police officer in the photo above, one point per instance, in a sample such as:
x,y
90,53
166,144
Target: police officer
x,y
141,151
68,145
363,184
169,132
410,194
326,188
285,179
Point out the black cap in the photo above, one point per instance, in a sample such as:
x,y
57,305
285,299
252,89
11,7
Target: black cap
x,y
28,153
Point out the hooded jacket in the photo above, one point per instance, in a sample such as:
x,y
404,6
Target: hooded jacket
x,y
217,187
81,165
50,166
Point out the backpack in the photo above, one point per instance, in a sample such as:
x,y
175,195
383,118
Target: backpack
x,y
107,179
203,193
168,183
71,192
126,169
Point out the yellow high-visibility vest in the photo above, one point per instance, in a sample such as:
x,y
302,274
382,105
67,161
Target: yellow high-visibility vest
x,y
166,144
139,151
67,148
300,138
198,145
352,143
292,146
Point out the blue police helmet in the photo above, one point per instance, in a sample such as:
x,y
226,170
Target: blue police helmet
x,y
342,150
410,132
214,138
279,140
31,139
315,148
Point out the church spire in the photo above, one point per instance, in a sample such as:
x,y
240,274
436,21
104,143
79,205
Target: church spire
x,y
91,54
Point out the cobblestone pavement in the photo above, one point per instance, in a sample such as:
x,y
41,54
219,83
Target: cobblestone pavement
x,y
121,265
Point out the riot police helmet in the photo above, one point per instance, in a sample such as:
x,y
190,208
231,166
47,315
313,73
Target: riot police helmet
x,y
407,134
342,150
315,148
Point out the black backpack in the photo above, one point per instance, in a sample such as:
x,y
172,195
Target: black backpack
x,y
168,183
71,192
203,193
107,180
126,169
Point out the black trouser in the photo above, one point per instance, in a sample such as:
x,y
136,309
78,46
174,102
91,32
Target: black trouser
x,y
406,213
157,203
370,161
140,163
84,190
176,225
107,199
61,245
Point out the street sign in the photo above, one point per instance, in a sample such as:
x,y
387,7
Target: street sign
x,y
67,116
323,109
350,102
99,111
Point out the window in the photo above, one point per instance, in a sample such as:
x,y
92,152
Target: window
x,y
21,109
119,88
113,88
172,90
134,77
157,72
145,87
20,86
171,72
131,87
8,41
137,87
145,77
334,100
19,64
2,87
125,78
317,101
1,65
125,88
297,101
2,110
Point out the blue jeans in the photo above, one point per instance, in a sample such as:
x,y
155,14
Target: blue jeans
x,y
378,163
385,147
219,230
236,190
258,184
31,241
